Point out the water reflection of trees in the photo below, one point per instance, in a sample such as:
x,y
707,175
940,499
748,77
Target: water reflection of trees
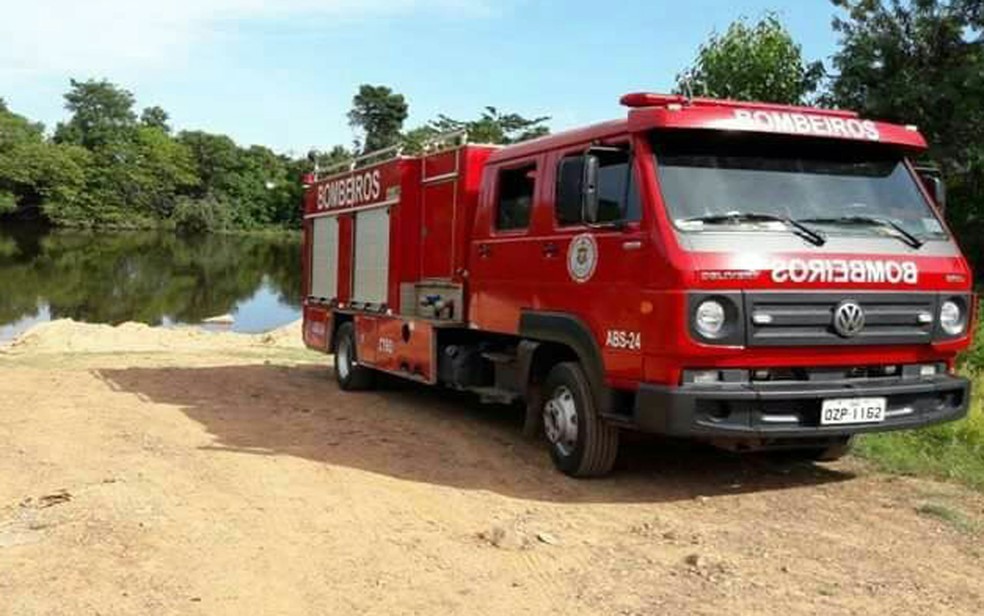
x,y
116,277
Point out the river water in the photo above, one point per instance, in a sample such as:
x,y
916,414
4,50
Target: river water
x,y
151,277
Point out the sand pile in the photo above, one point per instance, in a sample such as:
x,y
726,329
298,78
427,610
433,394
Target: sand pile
x,y
68,336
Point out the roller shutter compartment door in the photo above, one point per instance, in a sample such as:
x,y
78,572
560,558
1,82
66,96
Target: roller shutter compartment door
x,y
372,243
324,258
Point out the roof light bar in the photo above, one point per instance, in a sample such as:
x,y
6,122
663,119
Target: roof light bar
x,y
649,99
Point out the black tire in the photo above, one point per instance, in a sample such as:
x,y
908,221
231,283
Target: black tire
x,y
348,373
593,451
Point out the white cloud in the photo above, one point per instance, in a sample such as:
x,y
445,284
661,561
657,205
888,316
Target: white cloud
x,y
103,36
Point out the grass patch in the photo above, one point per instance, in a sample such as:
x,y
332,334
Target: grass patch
x,y
949,451
949,515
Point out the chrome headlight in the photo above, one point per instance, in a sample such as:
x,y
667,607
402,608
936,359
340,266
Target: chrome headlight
x,y
953,319
710,318
717,318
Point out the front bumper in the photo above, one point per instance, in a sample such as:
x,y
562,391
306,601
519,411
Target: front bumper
x,y
792,410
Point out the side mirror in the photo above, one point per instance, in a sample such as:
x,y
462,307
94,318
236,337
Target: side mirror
x,y
589,190
931,178
938,188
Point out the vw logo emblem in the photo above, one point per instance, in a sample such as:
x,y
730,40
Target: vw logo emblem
x,y
848,319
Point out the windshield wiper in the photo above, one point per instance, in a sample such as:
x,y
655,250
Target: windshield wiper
x,y
817,238
900,232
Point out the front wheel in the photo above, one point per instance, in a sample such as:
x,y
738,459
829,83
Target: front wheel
x,y
348,373
581,443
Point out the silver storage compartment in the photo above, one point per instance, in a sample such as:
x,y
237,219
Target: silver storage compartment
x,y
370,283
324,258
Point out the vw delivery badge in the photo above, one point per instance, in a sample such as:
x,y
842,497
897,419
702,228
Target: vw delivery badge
x,y
848,319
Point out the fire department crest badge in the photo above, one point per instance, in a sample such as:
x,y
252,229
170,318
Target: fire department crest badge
x,y
582,257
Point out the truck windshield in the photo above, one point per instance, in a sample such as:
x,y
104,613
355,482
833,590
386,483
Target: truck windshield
x,y
731,182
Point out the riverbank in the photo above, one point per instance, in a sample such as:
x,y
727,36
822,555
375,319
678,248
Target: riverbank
x,y
67,337
180,471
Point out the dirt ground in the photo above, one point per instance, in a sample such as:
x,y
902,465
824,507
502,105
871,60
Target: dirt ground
x,y
151,473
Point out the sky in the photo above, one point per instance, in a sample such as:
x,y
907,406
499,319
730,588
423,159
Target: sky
x,y
282,72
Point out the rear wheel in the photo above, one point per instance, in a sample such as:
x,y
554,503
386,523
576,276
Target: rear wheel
x,y
581,444
350,375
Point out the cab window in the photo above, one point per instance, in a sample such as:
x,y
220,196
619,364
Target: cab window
x,y
618,193
515,201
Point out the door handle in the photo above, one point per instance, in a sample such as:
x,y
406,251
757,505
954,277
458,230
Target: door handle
x,y
484,250
550,249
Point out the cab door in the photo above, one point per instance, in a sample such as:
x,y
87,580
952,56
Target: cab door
x,y
506,246
597,271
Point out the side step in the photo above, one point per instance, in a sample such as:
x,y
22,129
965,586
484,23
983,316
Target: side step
x,y
499,358
494,395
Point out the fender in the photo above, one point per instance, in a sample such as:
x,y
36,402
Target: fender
x,y
572,332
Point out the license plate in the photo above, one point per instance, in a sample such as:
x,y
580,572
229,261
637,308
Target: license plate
x,y
852,411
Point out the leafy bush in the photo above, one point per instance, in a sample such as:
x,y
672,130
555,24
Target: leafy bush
x,y
8,202
973,359
204,215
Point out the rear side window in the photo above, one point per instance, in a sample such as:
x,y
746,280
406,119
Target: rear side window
x,y
515,198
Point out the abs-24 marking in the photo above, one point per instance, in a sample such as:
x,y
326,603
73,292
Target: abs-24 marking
x,y
620,339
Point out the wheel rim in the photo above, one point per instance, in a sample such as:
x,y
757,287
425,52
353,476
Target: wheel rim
x,y
344,359
560,420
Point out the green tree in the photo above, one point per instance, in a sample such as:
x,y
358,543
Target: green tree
x,y
16,134
162,168
216,161
921,62
102,113
32,170
414,139
378,113
326,160
254,185
50,176
492,126
197,216
756,62
106,167
136,170
156,117
16,129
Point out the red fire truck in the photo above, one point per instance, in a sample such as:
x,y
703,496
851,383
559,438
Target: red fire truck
x,y
756,276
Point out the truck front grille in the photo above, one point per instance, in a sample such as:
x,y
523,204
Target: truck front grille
x,y
795,319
